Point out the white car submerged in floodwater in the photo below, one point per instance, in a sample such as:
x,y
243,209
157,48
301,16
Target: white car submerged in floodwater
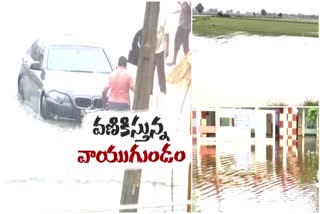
x,y
64,78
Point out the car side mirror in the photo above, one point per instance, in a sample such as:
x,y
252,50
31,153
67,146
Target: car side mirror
x,y
35,66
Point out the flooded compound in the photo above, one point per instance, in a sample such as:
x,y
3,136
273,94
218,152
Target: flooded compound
x,y
255,159
229,177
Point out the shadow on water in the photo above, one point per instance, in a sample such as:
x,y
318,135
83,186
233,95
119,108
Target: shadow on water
x,y
257,178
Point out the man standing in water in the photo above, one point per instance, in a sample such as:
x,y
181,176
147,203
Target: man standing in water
x,y
120,83
183,31
161,49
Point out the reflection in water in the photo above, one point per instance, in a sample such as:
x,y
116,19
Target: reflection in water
x,y
228,181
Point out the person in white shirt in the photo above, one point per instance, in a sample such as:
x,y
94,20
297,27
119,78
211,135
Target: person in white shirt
x,y
162,49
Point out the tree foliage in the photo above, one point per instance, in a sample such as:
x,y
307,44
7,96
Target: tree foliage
x,y
263,12
312,114
277,103
313,109
199,8
310,102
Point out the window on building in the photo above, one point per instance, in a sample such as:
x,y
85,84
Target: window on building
x,y
208,123
227,121
269,126
253,132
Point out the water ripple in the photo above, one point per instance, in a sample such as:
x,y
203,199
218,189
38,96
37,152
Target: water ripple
x,y
240,176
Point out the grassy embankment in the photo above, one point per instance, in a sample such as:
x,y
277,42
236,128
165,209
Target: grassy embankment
x,y
210,26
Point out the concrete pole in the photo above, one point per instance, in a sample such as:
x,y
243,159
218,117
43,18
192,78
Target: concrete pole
x,y
302,152
274,136
303,121
132,177
318,124
285,139
198,135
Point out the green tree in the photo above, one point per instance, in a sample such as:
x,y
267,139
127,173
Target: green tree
x,y
313,109
199,8
263,12
312,114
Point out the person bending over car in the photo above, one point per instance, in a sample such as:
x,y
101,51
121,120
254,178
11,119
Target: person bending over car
x,y
120,82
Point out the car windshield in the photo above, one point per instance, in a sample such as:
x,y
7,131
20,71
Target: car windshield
x,y
78,59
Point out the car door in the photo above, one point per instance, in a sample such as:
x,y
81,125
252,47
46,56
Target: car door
x,y
32,78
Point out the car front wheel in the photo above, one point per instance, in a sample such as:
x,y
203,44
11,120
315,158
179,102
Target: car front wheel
x,y
44,111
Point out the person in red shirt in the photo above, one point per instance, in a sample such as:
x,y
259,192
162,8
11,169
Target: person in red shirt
x,y
120,83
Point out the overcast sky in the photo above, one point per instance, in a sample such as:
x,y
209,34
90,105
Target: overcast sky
x,y
284,6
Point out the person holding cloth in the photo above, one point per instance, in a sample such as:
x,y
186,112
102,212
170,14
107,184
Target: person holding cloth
x,y
120,83
183,31
162,49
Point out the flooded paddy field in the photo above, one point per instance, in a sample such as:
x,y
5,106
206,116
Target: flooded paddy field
x,y
211,26
239,70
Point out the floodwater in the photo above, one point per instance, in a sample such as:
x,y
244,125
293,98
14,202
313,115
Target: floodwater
x,y
39,172
257,179
241,70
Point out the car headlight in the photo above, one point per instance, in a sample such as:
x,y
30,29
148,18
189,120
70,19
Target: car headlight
x,y
59,97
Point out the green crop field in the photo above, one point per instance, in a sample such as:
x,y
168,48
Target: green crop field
x,y
210,26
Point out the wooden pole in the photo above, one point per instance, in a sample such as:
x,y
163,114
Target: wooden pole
x,y
189,207
132,177
145,72
130,188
